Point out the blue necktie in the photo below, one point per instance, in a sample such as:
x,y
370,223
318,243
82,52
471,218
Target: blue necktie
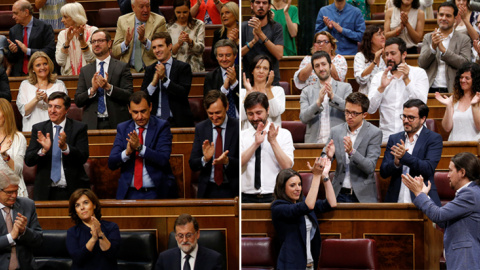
x,y
101,92
231,101
56,157
165,110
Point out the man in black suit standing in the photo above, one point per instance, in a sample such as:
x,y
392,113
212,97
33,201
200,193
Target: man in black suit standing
x,y
59,148
26,37
224,78
168,83
188,255
104,86
215,150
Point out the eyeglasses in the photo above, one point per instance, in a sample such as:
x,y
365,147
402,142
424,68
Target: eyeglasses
x,y
409,117
97,41
181,235
354,114
10,193
320,42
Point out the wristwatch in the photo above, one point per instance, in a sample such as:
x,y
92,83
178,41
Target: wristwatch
x,y
165,79
139,148
326,179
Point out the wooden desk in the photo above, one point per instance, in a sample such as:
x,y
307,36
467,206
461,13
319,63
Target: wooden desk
x,y
405,237
158,216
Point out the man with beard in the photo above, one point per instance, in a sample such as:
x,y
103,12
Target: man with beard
x,y
393,87
104,86
322,105
444,51
188,255
262,35
415,151
262,159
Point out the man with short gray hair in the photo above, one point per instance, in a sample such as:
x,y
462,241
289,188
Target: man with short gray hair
x,y
20,232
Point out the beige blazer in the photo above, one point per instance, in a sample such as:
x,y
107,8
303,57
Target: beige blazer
x,y
155,24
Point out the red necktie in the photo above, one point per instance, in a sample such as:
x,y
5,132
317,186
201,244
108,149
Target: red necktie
x,y
138,177
218,169
25,57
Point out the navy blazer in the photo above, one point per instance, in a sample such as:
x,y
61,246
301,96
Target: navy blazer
x,y
158,144
423,161
290,229
214,81
32,238
77,140
461,220
41,38
207,259
204,131
178,90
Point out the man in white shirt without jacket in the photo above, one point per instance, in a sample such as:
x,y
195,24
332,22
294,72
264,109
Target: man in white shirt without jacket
x,y
399,83
274,154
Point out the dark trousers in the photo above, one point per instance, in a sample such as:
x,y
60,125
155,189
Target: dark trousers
x,y
104,124
215,191
142,194
347,198
58,194
257,198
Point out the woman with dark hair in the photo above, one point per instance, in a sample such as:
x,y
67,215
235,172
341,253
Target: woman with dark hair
x,y
465,19
262,74
406,21
293,216
425,5
33,92
92,243
369,60
462,114
322,41
188,35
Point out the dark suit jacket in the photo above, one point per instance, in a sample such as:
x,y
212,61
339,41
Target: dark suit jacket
x,y
158,144
422,161
214,80
177,91
117,103
204,131
460,218
77,140
207,259
289,222
4,85
41,38
126,6
32,238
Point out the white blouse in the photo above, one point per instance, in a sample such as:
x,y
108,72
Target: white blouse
x,y
359,66
17,153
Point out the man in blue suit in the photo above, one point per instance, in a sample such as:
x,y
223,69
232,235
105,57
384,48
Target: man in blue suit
x,y
142,150
461,216
189,255
415,151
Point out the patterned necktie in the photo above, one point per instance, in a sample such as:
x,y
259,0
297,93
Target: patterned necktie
x,y
231,112
25,57
165,110
218,169
13,254
56,157
101,92
138,177
138,63
186,265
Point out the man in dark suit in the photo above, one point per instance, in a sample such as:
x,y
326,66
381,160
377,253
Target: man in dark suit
x,y
215,150
415,151
188,255
40,37
356,146
104,86
224,78
60,154
126,6
20,231
4,85
168,83
142,150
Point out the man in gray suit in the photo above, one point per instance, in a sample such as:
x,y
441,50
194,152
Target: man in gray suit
x,y
20,231
356,146
322,105
444,51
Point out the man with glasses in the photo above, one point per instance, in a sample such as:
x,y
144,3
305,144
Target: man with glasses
x,y
104,86
20,231
322,105
356,146
444,51
415,151
189,255
393,87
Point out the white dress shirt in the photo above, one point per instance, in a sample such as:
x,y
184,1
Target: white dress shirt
x,y
109,92
390,102
404,194
440,79
353,137
192,259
